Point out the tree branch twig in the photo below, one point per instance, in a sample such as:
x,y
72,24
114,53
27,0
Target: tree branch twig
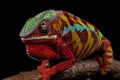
x,y
81,70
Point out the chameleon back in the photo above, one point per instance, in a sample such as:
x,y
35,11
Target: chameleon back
x,y
79,35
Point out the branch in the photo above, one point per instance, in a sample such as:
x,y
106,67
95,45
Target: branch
x,y
82,70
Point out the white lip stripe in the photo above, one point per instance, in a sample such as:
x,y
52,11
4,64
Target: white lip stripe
x,y
42,37
33,57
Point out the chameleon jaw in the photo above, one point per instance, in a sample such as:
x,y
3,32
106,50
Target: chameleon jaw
x,y
39,38
33,57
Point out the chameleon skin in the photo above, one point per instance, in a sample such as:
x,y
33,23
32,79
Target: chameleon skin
x,y
55,35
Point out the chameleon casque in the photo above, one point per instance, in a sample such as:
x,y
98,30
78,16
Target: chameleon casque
x,y
55,35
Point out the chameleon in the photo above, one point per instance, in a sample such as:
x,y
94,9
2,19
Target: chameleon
x,y
57,35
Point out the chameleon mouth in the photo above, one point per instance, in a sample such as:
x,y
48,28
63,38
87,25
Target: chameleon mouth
x,y
43,47
33,57
39,38
41,51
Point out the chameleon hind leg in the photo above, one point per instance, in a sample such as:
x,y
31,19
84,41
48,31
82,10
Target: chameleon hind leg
x,y
107,58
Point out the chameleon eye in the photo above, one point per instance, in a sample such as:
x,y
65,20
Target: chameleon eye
x,y
44,27
43,24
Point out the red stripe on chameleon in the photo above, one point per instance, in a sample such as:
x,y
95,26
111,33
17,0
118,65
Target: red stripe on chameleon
x,y
76,50
95,40
84,55
71,18
96,30
67,38
84,22
83,35
109,57
109,63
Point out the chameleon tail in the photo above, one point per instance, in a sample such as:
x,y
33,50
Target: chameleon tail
x,y
107,59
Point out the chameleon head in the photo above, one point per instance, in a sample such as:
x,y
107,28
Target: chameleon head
x,y
40,35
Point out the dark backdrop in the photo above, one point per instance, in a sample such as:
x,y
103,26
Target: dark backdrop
x,y
13,58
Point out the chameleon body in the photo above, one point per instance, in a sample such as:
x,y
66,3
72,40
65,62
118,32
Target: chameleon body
x,y
59,35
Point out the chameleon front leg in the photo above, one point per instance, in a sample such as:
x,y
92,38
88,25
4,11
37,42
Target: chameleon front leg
x,y
107,59
45,63
70,60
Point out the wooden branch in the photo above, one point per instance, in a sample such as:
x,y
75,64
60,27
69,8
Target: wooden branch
x,y
81,70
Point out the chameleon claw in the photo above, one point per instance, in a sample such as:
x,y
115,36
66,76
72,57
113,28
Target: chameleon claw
x,y
46,72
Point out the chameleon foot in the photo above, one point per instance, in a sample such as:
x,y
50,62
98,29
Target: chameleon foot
x,y
46,72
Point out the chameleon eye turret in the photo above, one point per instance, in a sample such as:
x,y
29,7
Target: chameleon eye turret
x,y
44,27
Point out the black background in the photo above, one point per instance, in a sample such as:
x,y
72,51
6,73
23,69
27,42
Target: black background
x,y
13,58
